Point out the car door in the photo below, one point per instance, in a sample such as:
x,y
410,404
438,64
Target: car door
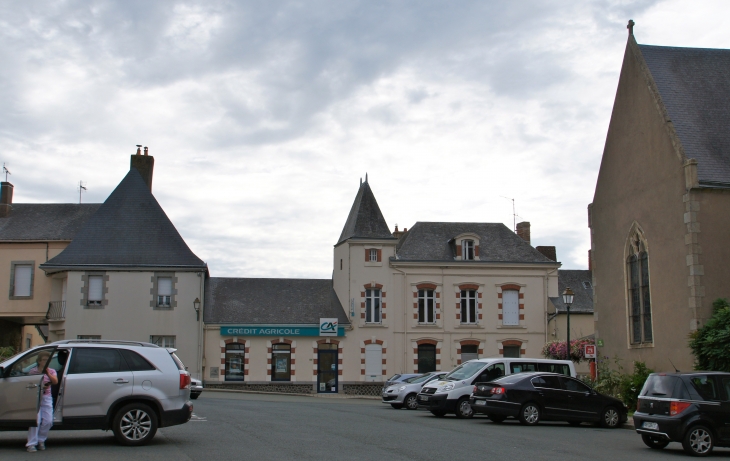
x,y
492,372
551,396
96,378
711,405
20,384
582,403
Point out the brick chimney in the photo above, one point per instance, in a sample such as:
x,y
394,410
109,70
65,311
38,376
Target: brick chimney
x,y
145,164
523,230
6,198
548,252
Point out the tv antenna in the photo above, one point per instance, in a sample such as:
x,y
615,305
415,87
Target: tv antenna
x,y
6,171
514,214
82,188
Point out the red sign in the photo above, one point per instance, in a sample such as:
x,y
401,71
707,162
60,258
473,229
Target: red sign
x,y
589,351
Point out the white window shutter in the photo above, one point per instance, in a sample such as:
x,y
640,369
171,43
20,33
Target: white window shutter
x,y
22,280
95,288
510,307
164,286
373,362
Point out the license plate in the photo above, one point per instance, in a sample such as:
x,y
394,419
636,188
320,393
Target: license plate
x,y
423,397
480,402
652,426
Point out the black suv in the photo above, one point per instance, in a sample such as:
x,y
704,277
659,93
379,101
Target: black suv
x,y
691,408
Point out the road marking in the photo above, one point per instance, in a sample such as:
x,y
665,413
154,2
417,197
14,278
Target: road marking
x,y
195,417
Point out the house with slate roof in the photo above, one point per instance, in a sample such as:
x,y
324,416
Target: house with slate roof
x,y
660,215
581,311
128,274
404,302
31,234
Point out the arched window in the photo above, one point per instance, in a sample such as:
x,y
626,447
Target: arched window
x,y
426,358
637,271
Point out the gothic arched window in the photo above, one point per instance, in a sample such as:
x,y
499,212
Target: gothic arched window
x,y
638,286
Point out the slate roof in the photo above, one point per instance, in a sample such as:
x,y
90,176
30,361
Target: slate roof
x,y
45,221
695,88
583,299
365,220
129,229
431,241
261,301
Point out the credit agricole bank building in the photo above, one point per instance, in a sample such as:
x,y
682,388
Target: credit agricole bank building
x,y
419,300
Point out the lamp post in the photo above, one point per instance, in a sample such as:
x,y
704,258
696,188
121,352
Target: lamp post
x,y
568,300
196,306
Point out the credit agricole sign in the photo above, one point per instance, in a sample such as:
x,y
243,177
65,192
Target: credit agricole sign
x,y
277,330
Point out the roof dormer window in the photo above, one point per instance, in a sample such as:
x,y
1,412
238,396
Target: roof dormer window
x,y
467,250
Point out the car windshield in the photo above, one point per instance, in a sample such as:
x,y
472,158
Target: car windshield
x,y
464,371
418,379
394,377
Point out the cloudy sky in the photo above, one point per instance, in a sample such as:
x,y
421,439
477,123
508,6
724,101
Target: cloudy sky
x,y
263,116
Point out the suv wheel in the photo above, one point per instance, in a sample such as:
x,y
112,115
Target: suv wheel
x,y
134,424
463,409
656,443
610,418
530,414
411,402
698,441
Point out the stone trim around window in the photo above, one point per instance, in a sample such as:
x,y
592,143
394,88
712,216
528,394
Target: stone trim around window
x,y
512,342
224,342
518,289
383,349
12,278
85,289
153,291
478,289
372,286
468,342
315,356
417,342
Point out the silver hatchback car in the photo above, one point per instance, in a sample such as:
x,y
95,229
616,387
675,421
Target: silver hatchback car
x,y
405,393
131,388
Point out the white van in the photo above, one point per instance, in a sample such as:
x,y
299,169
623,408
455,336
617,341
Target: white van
x,y
450,394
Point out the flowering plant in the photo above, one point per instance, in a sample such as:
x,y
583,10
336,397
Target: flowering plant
x,y
557,350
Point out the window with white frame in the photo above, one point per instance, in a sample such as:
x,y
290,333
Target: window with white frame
x,y
468,306
23,276
164,291
426,306
467,250
96,290
163,341
510,307
373,255
372,305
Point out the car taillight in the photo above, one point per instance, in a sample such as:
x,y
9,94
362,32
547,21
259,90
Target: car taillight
x,y
676,408
475,390
498,390
184,380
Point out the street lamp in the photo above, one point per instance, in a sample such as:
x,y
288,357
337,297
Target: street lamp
x,y
196,306
568,300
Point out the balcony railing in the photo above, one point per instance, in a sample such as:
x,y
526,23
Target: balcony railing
x,y
56,310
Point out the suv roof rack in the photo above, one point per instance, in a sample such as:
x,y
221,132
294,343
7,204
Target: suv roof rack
x,y
105,341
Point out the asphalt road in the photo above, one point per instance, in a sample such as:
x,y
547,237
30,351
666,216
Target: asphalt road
x,y
274,427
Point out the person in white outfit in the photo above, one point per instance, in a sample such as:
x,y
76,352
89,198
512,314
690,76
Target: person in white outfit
x,y
37,435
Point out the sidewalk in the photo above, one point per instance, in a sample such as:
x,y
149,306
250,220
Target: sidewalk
x,y
321,396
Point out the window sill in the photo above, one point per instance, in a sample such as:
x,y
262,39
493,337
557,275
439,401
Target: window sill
x,y
373,325
469,326
427,325
511,327
20,297
163,308
373,264
641,346
94,306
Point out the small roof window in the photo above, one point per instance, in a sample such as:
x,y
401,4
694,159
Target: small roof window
x,y
587,285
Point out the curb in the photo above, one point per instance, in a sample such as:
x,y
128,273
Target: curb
x,y
321,396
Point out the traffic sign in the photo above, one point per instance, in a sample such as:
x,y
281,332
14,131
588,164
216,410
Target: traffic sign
x,y
589,351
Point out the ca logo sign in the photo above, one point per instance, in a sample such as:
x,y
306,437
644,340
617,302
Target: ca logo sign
x,y
328,327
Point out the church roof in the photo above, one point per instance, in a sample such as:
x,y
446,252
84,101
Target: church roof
x,y
434,241
694,86
365,220
130,229
45,221
271,301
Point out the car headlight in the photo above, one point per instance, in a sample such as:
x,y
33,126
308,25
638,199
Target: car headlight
x,y
446,388
401,388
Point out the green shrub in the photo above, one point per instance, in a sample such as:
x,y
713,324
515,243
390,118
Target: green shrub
x,y
6,353
711,343
616,383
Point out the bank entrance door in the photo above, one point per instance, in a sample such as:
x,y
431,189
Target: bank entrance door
x,y
327,368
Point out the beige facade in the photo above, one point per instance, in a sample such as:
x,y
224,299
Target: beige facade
x,y
651,201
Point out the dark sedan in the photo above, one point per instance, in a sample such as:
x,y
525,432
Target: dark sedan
x,y
535,397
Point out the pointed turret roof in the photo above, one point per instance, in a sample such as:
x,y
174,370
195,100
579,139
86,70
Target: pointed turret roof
x,y
365,220
129,230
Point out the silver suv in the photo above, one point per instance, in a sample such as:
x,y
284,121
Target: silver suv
x,y
131,388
